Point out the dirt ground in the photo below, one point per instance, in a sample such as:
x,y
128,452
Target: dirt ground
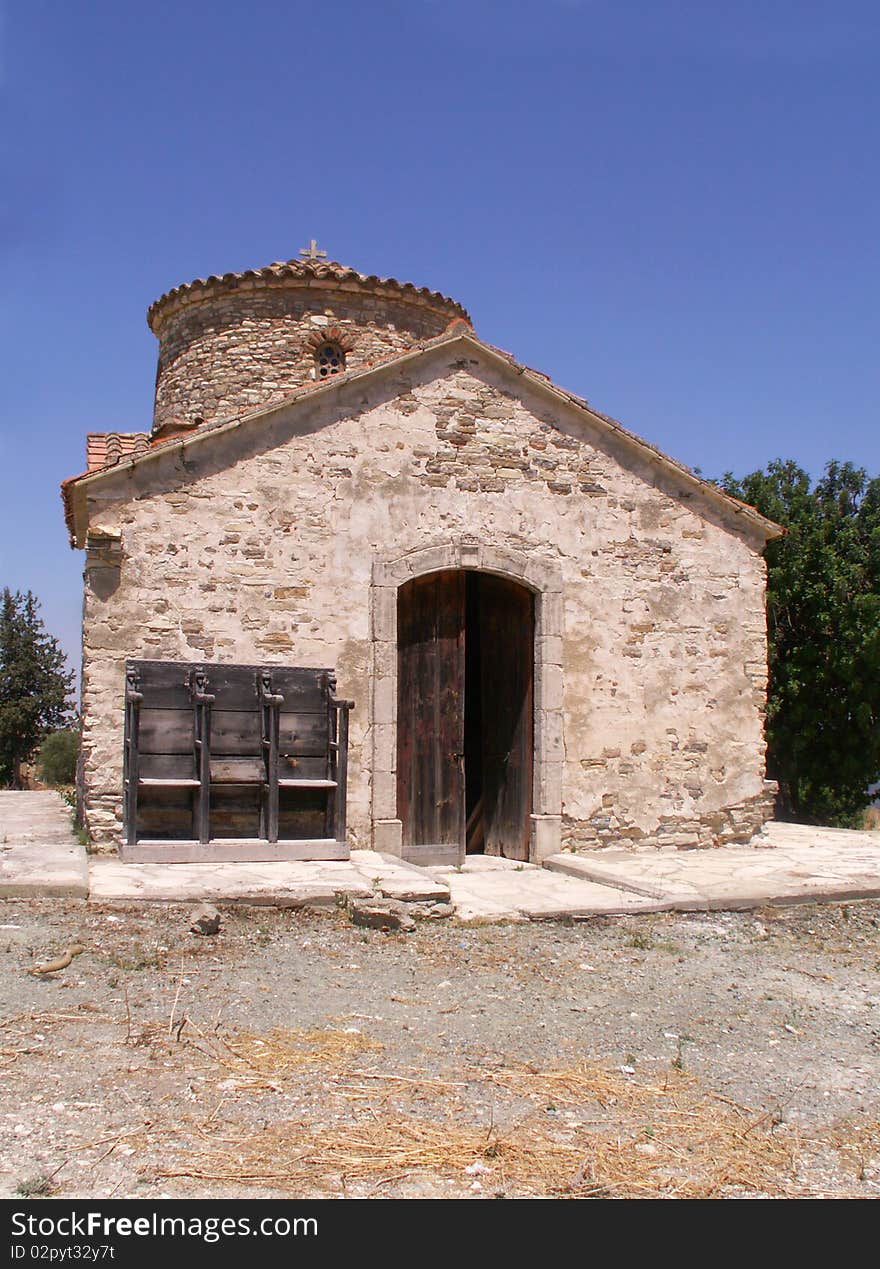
x,y
295,1054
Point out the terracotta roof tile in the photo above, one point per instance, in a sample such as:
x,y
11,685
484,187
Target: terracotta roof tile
x,y
305,271
105,449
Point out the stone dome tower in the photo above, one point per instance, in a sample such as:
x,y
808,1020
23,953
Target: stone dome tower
x,y
236,343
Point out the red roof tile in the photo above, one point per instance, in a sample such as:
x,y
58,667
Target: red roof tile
x,y
105,449
304,271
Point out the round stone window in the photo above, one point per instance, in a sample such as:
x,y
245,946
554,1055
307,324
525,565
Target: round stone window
x,y
329,360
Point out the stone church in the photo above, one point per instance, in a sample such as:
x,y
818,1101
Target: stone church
x,y
370,581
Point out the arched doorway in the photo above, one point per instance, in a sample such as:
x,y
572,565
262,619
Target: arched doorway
x,y
465,715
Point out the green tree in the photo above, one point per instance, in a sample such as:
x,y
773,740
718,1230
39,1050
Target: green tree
x,y
35,686
823,614
56,761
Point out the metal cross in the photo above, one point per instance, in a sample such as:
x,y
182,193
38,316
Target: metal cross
x,y
311,252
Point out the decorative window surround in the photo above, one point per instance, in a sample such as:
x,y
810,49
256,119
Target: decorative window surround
x,y
330,348
329,360
544,579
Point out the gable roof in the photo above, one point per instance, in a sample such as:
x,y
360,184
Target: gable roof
x,y
459,336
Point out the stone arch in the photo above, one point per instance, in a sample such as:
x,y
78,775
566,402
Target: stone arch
x,y
544,578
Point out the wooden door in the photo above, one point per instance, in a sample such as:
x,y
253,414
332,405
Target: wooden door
x,y
430,717
507,672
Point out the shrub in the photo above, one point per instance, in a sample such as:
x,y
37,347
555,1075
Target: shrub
x,y
56,761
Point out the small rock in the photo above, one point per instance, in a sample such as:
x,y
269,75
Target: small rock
x,y
205,920
381,914
428,911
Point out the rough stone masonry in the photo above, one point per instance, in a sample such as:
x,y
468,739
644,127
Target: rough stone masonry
x,y
271,517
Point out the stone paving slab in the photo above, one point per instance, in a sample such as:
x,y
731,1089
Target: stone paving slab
x,y
282,885
27,817
787,863
489,890
395,879
40,857
44,871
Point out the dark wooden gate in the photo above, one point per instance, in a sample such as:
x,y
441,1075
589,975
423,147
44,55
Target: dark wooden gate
x,y
234,762
507,643
430,717
439,716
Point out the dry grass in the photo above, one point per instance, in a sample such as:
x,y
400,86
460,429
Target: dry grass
x,y
627,1138
267,1060
575,1085
706,1156
579,1130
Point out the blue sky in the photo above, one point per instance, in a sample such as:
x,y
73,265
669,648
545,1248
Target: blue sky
x,y
670,206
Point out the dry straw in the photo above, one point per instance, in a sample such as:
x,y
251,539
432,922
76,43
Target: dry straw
x,y
623,1137
267,1060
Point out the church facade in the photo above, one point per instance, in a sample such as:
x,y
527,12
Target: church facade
x,y
552,633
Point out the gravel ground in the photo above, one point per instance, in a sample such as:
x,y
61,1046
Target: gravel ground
x,y
162,1063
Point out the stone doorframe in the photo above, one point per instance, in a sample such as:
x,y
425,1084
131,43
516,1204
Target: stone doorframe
x,y
538,575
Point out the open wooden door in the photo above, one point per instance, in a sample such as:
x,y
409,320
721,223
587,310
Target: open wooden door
x,y
430,717
506,617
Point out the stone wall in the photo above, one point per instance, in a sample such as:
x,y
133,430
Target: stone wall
x,y
264,549
225,354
